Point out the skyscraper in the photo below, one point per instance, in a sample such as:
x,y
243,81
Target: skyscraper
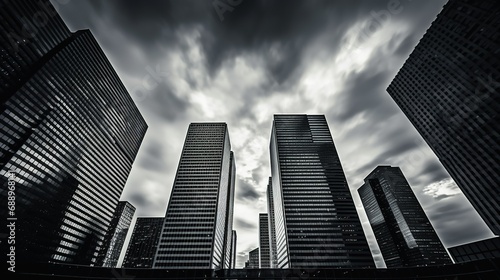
x,y
115,238
272,232
253,258
315,218
143,243
196,225
479,250
70,134
233,249
403,231
448,88
265,257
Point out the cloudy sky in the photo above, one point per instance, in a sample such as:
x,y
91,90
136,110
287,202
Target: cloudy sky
x,y
241,61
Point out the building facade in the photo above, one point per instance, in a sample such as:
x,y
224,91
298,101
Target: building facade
x,y
315,218
233,249
479,250
116,235
253,258
70,134
449,90
195,229
264,244
272,231
143,243
403,231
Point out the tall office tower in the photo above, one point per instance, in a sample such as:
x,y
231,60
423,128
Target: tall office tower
x,y
115,238
69,135
143,243
233,249
449,90
195,228
403,231
272,232
229,216
265,256
315,218
253,258
479,250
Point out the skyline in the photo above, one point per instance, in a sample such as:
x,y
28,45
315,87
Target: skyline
x,y
149,186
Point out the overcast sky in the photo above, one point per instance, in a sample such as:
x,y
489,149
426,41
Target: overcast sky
x,y
240,62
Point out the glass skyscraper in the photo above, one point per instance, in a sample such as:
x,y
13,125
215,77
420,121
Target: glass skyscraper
x,y
479,250
272,227
69,132
403,231
315,218
113,243
265,257
449,90
199,214
253,258
233,249
143,243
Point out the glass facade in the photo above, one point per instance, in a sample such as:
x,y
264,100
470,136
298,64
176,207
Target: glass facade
x,y
118,230
70,134
143,243
449,90
315,218
272,232
479,250
264,245
195,229
253,258
403,231
233,249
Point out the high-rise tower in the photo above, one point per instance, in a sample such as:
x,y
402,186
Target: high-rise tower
x,y
315,218
264,244
143,243
69,135
113,243
272,231
196,226
403,231
449,90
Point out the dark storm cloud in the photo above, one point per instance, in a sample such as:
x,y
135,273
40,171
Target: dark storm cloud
x,y
245,191
434,171
243,225
252,27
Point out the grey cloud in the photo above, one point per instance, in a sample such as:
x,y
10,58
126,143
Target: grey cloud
x,y
456,222
241,224
138,200
246,191
152,157
433,171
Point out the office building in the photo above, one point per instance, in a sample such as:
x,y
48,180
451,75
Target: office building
x,y
116,234
253,258
315,218
70,134
143,243
233,249
403,231
479,250
195,229
272,232
265,256
448,89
